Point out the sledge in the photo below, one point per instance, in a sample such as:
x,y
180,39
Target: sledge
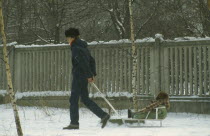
x,y
147,119
129,121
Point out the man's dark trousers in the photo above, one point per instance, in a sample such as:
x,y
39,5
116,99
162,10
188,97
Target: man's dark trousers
x,y
80,88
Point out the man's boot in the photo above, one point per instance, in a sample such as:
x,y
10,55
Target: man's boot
x,y
104,120
129,113
71,126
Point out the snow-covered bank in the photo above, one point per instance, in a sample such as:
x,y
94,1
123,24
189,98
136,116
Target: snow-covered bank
x,y
49,122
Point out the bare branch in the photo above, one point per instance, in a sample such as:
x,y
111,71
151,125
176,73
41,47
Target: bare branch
x,y
150,17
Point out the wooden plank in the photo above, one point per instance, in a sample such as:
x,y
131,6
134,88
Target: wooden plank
x,y
56,70
208,70
147,70
28,73
100,69
177,71
130,72
33,71
44,83
67,71
97,67
117,70
43,71
126,55
24,72
1,72
108,64
191,70
49,70
186,70
105,71
59,63
138,70
113,71
103,82
121,70
172,70
205,70
166,74
36,71
41,75
62,70
181,71
152,71
200,72
142,70
46,71
195,72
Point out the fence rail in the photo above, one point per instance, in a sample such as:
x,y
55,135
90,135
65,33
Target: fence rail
x,y
179,68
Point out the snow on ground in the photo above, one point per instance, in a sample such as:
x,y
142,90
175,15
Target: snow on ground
x,y
45,121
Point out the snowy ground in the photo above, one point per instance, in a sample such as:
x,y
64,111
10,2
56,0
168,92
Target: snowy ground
x,y
38,121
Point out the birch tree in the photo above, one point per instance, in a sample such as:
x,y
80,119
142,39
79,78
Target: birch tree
x,y
134,59
8,73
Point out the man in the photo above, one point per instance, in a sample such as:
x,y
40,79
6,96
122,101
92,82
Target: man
x,y
84,70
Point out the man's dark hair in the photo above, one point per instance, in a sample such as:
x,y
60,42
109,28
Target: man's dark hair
x,y
72,32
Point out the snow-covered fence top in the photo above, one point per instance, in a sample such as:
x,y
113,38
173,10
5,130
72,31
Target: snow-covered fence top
x,y
178,67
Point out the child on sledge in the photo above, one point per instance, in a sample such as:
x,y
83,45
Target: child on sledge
x,y
149,112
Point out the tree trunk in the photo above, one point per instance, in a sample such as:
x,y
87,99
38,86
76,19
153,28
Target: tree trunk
x,y
134,59
9,80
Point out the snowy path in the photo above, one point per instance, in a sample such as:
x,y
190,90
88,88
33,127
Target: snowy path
x,y
49,122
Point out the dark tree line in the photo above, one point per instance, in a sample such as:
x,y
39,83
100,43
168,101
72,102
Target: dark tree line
x,y
44,21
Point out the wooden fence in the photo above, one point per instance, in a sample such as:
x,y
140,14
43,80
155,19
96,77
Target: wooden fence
x,y
179,68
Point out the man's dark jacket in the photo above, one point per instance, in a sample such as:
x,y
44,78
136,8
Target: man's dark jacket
x,y
83,62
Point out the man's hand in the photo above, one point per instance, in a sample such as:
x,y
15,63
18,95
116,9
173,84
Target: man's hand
x,y
90,80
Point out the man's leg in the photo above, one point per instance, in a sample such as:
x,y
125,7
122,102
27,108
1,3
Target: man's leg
x,y
93,106
74,108
89,103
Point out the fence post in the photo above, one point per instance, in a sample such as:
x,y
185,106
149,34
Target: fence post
x,y
164,66
156,66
